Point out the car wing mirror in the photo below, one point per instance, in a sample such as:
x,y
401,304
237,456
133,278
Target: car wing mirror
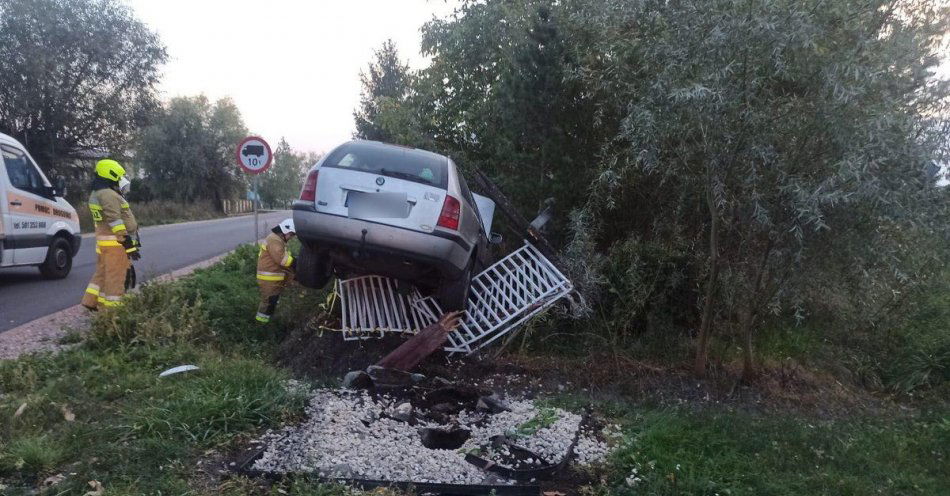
x,y
495,238
544,215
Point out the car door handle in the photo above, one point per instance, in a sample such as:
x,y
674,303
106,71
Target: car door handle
x,y
16,203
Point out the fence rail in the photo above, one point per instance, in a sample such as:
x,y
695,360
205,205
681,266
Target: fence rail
x,y
501,298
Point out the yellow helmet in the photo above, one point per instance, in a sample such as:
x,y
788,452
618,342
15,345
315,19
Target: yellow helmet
x,y
109,169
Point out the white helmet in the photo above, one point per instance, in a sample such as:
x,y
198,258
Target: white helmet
x,y
287,226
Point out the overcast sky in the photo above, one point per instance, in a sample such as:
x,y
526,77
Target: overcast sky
x,y
292,66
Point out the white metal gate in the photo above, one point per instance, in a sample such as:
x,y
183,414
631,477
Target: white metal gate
x,y
501,298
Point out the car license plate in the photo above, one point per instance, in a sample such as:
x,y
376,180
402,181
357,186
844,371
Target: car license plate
x,y
362,205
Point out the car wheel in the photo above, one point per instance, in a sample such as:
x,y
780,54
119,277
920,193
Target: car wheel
x,y
313,268
454,292
59,260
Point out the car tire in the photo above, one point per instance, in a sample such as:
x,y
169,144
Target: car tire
x,y
454,292
59,260
313,268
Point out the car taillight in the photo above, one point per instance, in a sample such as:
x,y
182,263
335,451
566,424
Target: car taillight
x,y
449,218
309,191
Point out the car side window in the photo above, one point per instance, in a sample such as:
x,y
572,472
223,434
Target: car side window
x,y
467,193
22,172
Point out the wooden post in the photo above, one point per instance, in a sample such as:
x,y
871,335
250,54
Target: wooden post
x,y
411,353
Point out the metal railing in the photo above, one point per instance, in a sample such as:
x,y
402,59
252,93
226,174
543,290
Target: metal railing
x,y
501,298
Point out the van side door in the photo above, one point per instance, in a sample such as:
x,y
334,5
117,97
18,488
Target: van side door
x,y
28,194
5,259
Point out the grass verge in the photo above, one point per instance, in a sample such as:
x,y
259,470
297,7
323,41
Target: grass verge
x,y
159,212
99,412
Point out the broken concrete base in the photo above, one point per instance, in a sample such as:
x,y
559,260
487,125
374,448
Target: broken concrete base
x,y
428,433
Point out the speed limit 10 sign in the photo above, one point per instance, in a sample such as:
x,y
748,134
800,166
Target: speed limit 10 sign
x,y
254,155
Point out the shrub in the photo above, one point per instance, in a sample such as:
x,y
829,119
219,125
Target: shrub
x,y
31,456
158,314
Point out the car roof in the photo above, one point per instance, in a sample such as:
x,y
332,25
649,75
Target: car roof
x,y
411,151
8,139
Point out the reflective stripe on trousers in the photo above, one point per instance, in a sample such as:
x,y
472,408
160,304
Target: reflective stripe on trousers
x,y
107,286
270,276
110,301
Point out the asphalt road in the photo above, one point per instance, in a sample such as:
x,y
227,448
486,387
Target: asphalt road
x,y
25,296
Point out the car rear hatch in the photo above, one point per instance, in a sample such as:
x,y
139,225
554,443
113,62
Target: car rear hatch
x,y
385,184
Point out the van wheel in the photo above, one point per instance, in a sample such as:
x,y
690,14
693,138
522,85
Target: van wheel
x,y
59,260
454,292
313,268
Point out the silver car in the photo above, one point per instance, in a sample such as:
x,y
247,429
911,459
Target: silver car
x,y
374,208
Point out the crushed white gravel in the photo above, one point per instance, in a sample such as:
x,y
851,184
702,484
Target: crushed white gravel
x,y
348,434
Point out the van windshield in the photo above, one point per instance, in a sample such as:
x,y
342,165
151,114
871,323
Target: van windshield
x,y
391,161
22,173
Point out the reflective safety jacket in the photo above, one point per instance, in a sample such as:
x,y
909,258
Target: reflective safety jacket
x,y
274,259
112,216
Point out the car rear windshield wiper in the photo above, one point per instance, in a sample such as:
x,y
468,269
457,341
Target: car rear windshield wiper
x,y
405,175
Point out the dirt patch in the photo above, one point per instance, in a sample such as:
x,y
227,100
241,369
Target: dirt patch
x,y
779,387
324,356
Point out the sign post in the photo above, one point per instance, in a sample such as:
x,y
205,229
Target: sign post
x,y
254,156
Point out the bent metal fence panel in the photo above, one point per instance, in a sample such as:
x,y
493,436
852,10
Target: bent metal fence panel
x,y
501,298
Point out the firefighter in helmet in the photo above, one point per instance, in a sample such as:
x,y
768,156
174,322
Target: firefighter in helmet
x,y
114,244
275,268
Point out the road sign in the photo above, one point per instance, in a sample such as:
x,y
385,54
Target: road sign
x,y
254,155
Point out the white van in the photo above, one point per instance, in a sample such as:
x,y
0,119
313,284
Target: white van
x,y
37,225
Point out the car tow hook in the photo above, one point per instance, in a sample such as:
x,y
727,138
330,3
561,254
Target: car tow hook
x,y
359,251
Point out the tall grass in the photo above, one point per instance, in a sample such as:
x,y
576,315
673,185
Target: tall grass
x,y
134,431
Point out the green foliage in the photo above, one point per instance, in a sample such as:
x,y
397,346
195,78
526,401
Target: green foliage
x,y
157,212
920,350
187,153
809,150
135,432
385,82
774,150
545,418
228,395
281,184
75,75
141,434
159,314
497,98
677,451
31,455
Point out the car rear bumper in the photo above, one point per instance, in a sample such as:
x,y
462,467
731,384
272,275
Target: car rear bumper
x,y
449,255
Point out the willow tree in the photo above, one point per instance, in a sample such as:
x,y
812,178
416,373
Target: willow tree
x,y
788,138
187,152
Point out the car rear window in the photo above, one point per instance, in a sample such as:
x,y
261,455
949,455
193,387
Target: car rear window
x,y
391,161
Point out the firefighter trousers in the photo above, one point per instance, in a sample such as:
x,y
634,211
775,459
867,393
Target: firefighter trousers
x,y
107,286
270,293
